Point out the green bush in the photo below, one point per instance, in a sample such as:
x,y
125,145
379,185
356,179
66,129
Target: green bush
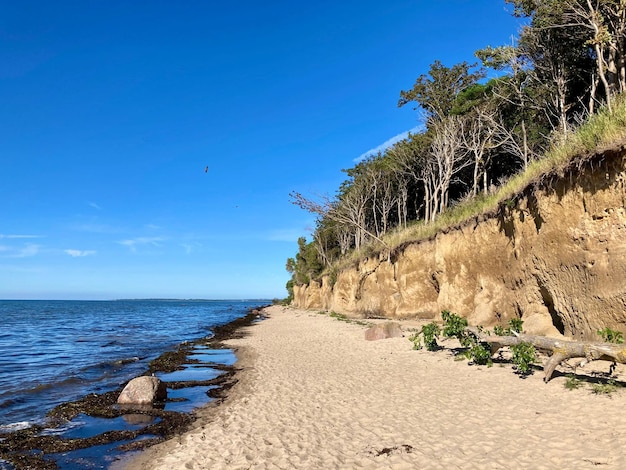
x,y
430,333
416,339
611,336
454,325
524,355
515,324
480,355
604,389
572,383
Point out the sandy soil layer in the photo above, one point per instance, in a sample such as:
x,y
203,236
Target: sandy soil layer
x,y
314,394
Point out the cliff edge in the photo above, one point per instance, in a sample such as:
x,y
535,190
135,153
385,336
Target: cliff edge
x,y
555,255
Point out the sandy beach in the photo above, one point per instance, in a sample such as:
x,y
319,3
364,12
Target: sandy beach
x,y
314,394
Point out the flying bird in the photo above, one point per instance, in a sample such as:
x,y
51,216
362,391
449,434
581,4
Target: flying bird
x,y
206,169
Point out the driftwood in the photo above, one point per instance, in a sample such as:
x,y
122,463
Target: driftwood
x,y
558,349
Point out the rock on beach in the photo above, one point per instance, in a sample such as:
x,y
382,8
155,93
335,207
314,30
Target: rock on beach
x,y
143,391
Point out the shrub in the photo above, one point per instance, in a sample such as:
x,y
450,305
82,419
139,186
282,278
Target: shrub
x,y
572,383
430,333
515,325
416,339
524,355
499,330
454,325
611,336
605,389
480,355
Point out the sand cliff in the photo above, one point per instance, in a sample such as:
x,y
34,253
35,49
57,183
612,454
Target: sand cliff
x,y
554,255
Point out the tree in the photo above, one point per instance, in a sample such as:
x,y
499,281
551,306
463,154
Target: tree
x,y
601,24
409,160
516,96
448,159
306,264
480,136
436,91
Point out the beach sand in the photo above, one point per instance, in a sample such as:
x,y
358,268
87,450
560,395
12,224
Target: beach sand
x,y
313,394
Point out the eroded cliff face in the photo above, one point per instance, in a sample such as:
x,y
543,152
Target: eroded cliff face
x,y
556,256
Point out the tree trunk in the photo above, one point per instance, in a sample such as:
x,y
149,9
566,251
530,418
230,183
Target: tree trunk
x,y
559,349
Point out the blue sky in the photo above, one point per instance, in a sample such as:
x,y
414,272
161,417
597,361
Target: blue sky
x,y
111,110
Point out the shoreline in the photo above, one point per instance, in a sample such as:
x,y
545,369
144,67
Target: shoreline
x,y
310,392
16,447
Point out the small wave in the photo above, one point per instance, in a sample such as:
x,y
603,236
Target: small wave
x,y
12,427
63,428
7,403
129,360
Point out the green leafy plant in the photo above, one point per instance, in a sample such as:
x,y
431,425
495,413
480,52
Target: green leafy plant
x,y
515,324
499,330
611,336
607,388
430,333
455,327
416,339
572,383
524,355
480,355
339,316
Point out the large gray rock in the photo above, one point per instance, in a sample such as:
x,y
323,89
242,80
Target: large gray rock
x,y
143,391
383,331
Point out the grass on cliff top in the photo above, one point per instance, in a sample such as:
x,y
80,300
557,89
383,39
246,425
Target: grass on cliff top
x,y
601,131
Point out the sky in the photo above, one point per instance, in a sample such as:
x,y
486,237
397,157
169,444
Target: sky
x,y
148,148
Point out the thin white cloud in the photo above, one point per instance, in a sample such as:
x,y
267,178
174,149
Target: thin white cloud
x,y
96,228
27,251
94,205
386,144
79,253
134,242
2,235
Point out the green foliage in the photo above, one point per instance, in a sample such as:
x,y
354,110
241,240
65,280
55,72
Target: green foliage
x,y
524,355
572,383
344,318
416,339
305,266
515,324
289,287
430,333
499,330
454,325
611,336
339,316
607,388
437,91
479,354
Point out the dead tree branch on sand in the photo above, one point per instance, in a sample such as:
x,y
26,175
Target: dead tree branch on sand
x,y
558,349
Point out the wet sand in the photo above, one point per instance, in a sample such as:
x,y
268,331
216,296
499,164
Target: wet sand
x,y
313,394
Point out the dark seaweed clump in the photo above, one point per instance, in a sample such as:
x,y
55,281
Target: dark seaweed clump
x,y
28,448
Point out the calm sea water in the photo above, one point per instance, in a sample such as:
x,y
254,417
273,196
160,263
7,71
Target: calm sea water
x,y
57,351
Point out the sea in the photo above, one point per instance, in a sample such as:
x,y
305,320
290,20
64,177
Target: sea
x,y
53,352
